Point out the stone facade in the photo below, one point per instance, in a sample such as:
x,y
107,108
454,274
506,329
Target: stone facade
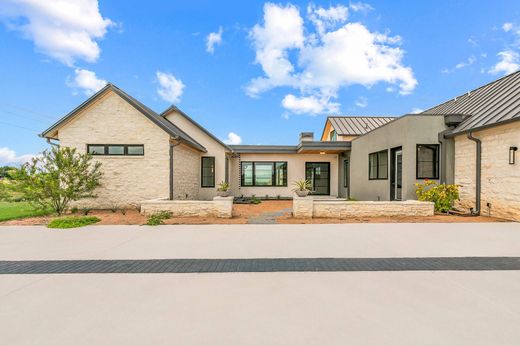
x,y
186,172
308,207
221,207
127,179
500,180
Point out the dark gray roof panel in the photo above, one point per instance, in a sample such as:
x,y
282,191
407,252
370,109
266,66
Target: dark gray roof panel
x,y
491,104
357,125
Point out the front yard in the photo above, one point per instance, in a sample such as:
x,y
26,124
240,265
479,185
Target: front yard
x,y
17,210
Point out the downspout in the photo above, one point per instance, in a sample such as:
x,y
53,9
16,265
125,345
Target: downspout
x,y
54,144
476,210
174,141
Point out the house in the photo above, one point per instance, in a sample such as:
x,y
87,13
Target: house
x,y
470,140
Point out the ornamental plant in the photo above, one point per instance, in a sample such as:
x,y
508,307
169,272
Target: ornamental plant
x,y
57,177
442,195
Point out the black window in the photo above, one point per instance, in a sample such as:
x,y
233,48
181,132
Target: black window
x,y
378,165
427,162
208,171
263,173
345,173
116,149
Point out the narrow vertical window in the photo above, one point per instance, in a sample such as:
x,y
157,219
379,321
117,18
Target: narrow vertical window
x,y
208,171
378,165
427,161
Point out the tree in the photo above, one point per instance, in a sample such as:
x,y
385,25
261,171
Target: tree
x,y
7,172
57,177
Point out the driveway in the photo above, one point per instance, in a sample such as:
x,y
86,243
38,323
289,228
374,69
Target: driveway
x,y
378,307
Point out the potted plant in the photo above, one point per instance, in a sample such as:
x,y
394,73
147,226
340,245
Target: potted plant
x,y
302,187
223,189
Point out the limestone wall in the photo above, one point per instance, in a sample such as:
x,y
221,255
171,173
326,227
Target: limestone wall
x,y
221,207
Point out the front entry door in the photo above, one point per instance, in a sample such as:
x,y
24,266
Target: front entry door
x,y
318,173
396,181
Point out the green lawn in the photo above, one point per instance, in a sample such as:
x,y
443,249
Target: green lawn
x,y
17,210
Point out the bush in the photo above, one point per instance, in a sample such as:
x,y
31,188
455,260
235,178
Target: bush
x,y
158,218
442,195
73,221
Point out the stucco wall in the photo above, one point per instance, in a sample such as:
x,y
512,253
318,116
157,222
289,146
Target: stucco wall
x,y
127,179
213,147
186,172
295,171
500,180
406,132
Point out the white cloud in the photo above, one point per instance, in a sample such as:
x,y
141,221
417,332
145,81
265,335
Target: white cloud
x,y
318,65
470,61
233,139
87,81
362,102
509,63
62,29
360,7
507,27
170,88
312,105
214,39
9,157
416,110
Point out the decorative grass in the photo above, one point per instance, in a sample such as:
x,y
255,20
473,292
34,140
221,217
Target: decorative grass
x,y
73,221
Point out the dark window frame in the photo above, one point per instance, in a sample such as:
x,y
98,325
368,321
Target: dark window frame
x,y
202,171
346,169
378,173
253,163
436,162
333,136
105,149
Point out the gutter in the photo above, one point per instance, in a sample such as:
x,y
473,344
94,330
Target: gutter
x,y
54,144
476,211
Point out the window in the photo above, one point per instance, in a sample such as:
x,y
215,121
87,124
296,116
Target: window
x,y
378,165
345,173
427,161
263,173
116,149
208,171
333,136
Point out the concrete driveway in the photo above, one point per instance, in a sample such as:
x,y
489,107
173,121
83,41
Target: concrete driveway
x,y
292,308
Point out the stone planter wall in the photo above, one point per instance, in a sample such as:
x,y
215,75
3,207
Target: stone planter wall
x,y
221,207
307,207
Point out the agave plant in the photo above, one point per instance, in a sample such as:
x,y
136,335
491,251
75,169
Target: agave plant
x,y
302,185
223,186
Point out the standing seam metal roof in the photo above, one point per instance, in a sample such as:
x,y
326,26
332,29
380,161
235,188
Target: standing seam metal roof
x,y
491,104
357,125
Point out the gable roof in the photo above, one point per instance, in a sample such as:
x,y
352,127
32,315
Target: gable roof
x,y
163,123
176,109
492,104
356,125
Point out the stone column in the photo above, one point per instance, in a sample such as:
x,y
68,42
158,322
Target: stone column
x,y
303,207
223,206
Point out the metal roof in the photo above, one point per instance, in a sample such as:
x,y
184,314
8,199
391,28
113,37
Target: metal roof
x,y
290,149
163,123
356,125
489,105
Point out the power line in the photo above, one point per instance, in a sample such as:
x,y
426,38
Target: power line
x,y
21,127
23,115
25,109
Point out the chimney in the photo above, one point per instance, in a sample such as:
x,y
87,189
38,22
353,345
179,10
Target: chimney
x,y
306,136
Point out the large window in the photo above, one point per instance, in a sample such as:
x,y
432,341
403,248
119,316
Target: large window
x,y
378,165
333,136
116,149
427,161
263,173
208,171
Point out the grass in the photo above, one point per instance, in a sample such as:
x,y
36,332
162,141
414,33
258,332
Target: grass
x,y
18,210
73,221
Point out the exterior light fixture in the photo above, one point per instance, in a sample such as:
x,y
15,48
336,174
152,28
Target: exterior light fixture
x,y
322,153
512,154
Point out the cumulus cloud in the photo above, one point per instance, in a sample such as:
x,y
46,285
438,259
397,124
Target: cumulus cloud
x,y
62,29
170,88
87,81
233,139
416,110
9,157
362,102
509,62
213,39
318,64
360,7
470,61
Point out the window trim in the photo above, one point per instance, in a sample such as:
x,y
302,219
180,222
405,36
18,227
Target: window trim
x,y
346,169
436,162
377,165
254,173
105,148
202,171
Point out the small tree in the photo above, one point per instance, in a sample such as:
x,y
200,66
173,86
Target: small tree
x,y
442,195
57,177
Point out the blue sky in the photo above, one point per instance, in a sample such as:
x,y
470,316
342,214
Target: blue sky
x,y
270,71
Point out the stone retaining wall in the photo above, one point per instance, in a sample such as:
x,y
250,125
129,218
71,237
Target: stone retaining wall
x,y
221,207
307,207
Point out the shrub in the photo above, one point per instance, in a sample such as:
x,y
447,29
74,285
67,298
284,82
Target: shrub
x,y
73,221
85,211
158,218
442,195
57,177
74,210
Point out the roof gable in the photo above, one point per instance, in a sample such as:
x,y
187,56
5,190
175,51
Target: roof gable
x,y
163,123
355,125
